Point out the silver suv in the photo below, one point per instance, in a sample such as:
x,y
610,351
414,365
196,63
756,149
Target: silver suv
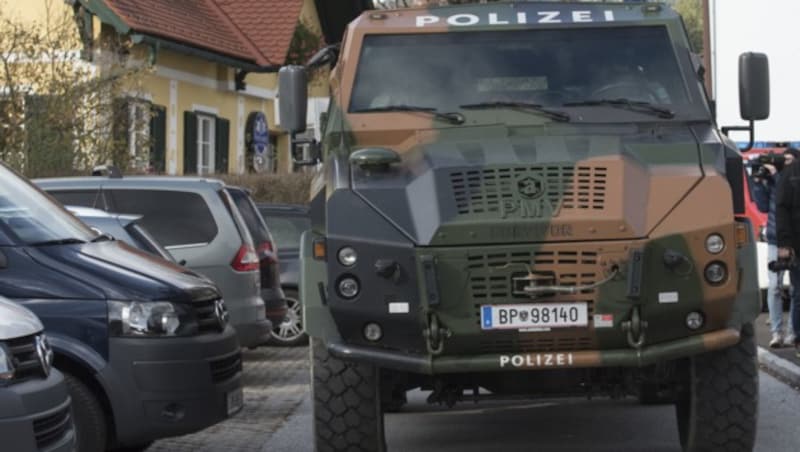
x,y
34,404
197,222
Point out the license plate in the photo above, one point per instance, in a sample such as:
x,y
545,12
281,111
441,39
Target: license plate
x,y
235,401
541,315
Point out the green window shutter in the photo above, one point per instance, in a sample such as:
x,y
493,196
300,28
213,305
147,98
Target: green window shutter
x,y
223,132
158,139
189,143
122,123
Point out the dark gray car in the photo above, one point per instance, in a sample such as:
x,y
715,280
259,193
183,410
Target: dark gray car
x,y
286,223
196,220
35,411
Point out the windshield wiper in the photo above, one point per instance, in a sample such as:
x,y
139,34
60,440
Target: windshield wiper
x,y
525,106
452,118
70,241
628,104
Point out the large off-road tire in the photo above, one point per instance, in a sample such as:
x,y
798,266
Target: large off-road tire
x,y
718,410
347,407
91,431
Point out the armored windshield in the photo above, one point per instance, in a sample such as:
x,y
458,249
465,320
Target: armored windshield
x,y
547,67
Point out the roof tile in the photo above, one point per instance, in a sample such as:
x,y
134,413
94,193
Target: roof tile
x,y
268,24
259,31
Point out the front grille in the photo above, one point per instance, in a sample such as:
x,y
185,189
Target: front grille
x,y
491,274
566,187
207,320
51,429
226,368
24,358
491,281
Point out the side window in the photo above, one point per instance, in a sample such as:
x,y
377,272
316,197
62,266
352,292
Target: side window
x,y
174,218
79,198
205,144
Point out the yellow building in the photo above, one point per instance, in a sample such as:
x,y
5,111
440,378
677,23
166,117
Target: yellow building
x,y
212,78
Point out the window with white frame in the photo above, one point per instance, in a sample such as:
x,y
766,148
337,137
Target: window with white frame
x,y
206,144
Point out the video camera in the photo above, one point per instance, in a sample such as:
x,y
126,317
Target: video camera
x,y
757,164
781,265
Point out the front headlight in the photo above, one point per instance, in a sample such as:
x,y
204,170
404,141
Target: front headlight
x,y
6,366
150,319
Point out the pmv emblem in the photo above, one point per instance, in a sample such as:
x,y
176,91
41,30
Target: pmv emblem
x,y
530,201
530,187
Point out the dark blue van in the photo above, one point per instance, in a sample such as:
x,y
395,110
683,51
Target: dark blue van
x,y
143,343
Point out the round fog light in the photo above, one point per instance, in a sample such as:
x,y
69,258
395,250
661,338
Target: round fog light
x,y
715,244
695,320
348,287
716,273
373,332
347,256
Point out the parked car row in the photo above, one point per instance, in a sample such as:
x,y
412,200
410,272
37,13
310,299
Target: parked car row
x,y
147,288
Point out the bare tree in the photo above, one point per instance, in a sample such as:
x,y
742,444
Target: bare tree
x,y
60,114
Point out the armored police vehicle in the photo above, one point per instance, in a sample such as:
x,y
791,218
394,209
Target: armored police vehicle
x,y
527,199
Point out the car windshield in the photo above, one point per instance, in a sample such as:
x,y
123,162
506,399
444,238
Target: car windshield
x,y
548,68
33,217
286,230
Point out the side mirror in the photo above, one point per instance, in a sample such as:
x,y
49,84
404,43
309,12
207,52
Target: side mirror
x,y
293,88
753,93
754,86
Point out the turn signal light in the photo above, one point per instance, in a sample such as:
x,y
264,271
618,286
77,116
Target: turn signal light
x,y
320,250
741,234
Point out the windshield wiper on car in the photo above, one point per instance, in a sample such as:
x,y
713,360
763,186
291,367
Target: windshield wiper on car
x,y
70,241
628,104
525,106
452,118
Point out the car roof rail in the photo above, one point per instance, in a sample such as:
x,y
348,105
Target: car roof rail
x,y
110,171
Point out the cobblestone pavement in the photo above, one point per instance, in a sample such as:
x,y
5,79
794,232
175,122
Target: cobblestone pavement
x,y
275,383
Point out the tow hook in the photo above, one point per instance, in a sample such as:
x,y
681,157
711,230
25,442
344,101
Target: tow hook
x,y
635,327
435,335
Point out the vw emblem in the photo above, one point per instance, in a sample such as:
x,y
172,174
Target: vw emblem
x,y
45,354
221,313
530,187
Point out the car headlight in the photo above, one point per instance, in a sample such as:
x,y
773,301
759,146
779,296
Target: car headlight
x,y
150,319
6,366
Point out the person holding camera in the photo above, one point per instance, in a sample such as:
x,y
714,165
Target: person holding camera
x,y
765,183
787,228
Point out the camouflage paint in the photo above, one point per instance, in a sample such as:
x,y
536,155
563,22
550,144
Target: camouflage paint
x,y
611,189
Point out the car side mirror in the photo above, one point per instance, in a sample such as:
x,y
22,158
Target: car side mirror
x,y
754,86
293,89
753,93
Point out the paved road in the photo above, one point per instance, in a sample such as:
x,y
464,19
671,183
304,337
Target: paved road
x,y
278,419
